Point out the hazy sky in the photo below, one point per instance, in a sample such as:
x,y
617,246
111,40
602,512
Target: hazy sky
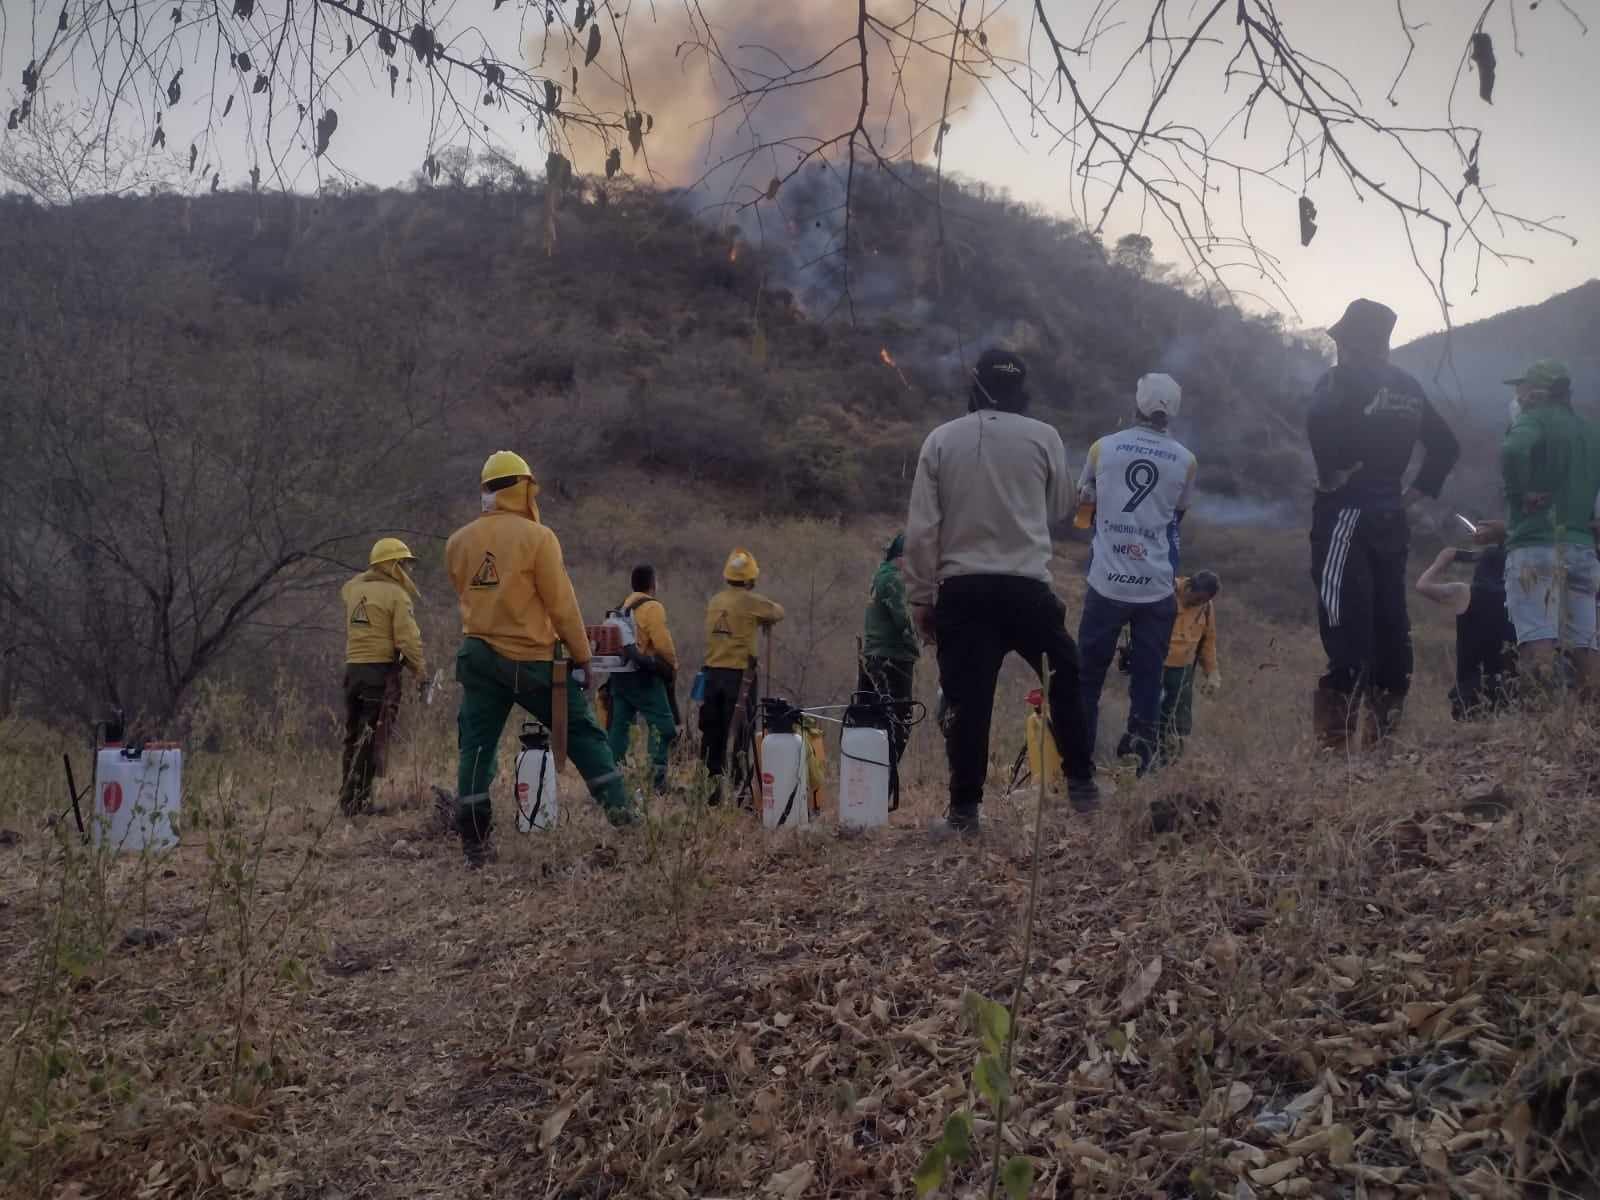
x,y
1538,156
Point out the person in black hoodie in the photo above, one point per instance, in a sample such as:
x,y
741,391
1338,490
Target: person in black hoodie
x,y
1366,416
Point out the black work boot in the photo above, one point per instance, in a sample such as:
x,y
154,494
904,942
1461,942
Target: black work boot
x,y
962,819
1084,795
474,820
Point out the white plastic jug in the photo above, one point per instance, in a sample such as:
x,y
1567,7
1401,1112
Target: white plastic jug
x,y
136,799
785,790
537,803
863,777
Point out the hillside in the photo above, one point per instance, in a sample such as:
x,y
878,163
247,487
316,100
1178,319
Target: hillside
x,y
1486,352
717,352
222,400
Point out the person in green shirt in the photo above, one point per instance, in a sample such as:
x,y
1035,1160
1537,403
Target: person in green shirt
x,y
889,653
1550,465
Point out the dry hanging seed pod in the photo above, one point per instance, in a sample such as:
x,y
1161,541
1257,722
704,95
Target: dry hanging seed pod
x,y
1483,59
326,124
423,44
1308,220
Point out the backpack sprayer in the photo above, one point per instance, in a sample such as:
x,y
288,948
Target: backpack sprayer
x,y
534,787
1038,754
136,790
868,778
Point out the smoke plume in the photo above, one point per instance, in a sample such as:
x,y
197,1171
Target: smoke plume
x,y
737,92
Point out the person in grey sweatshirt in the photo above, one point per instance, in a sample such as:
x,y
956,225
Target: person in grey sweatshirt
x,y
989,488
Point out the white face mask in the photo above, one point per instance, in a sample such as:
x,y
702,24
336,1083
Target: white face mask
x,y
486,502
1515,411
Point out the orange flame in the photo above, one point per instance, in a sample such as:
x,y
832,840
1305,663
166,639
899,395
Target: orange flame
x,y
733,253
888,360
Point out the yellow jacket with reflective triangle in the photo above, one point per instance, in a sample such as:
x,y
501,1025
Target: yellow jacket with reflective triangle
x,y
514,588
733,618
380,625
650,628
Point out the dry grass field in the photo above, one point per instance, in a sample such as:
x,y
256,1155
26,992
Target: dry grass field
x,y
1370,976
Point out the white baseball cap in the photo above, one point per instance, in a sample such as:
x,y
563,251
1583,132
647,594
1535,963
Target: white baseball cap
x,y
1158,394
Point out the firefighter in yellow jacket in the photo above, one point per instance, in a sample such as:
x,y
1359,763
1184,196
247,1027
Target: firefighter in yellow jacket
x,y
1194,642
647,690
381,637
517,602
734,618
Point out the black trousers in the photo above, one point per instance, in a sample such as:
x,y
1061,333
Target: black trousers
x,y
717,707
1358,563
979,620
371,702
891,678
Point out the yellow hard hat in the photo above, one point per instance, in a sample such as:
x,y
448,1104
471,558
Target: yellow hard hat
x,y
505,464
389,550
741,568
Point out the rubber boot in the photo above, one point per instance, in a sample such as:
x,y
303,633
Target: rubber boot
x,y
474,821
1334,718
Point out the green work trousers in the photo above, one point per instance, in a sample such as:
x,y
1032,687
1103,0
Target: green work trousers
x,y
644,694
491,685
1177,710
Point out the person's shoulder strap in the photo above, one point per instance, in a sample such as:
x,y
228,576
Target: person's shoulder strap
x,y
630,609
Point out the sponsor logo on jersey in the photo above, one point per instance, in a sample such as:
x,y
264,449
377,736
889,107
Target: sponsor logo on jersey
x,y
1129,549
1131,580
1139,531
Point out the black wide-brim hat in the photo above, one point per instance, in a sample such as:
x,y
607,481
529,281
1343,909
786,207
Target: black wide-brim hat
x,y
1365,322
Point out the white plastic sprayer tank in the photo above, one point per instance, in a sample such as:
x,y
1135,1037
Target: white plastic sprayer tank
x,y
538,805
785,782
137,796
863,777
785,791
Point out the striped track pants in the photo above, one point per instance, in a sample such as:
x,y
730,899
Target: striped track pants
x,y
1358,564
